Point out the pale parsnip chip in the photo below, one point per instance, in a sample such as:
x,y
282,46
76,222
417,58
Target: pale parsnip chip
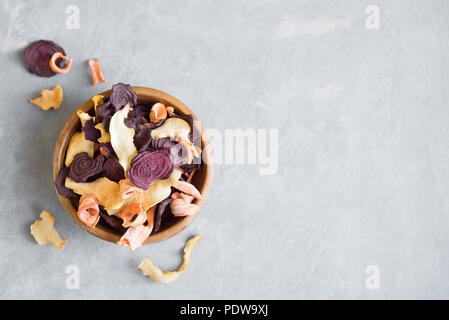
x,y
49,98
84,116
173,127
159,190
106,191
122,138
44,232
149,269
98,101
78,144
105,136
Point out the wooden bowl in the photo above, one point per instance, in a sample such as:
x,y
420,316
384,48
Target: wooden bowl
x,y
202,180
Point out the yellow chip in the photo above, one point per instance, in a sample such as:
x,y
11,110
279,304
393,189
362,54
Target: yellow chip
x,y
122,138
106,191
149,269
84,116
44,232
98,101
49,98
78,144
173,127
159,190
105,136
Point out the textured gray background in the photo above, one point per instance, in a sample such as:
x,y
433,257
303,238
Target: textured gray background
x,y
363,125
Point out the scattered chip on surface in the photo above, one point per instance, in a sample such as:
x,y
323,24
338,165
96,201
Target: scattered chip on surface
x,y
49,98
122,138
172,127
44,232
149,269
78,144
97,75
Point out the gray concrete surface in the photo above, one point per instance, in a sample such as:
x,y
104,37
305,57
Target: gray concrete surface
x,y
363,120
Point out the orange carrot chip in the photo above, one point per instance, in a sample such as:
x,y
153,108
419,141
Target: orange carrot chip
x,y
149,269
98,100
44,232
97,75
49,98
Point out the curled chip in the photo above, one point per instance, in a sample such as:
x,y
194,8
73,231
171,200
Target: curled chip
x,y
78,144
44,232
49,98
97,75
107,192
172,128
122,138
149,269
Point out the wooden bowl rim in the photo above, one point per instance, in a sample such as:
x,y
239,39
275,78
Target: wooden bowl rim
x,y
149,94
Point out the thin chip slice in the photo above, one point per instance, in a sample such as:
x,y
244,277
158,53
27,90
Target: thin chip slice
x,y
84,116
149,269
97,75
107,192
105,136
122,138
98,100
159,190
44,232
172,127
78,144
49,98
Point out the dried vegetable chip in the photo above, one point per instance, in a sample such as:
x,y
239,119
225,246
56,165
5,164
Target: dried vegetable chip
x,y
113,170
135,236
132,215
88,210
38,56
106,192
44,232
160,209
98,100
159,190
84,167
121,95
122,138
105,137
149,269
91,133
84,116
60,183
158,112
97,75
77,145
55,63
49,98
172,128
149,166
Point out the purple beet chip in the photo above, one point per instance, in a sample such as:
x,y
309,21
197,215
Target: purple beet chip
x,y
159,213
121,95
38,56
60,184
149,166
90,132
113,170
84,167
